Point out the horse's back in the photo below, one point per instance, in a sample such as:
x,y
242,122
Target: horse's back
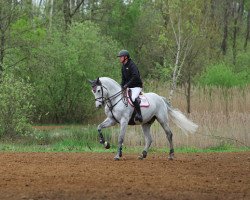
x,y
152,95
155,100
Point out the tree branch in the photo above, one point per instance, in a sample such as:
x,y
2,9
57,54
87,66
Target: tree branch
x,y
77,7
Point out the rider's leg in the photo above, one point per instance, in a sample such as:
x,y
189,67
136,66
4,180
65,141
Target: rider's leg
x,y
135,94
138,115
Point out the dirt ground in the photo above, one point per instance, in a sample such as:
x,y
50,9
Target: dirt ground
x,y
98,176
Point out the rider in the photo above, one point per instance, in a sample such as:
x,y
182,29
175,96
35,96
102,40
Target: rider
x,y
131,79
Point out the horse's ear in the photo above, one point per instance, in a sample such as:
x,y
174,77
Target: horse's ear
x,y
98,82
91,82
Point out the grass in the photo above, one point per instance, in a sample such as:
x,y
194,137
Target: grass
x,y
52,139
85,139
72,146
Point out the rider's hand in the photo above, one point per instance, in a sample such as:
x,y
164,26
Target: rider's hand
x,y
125,87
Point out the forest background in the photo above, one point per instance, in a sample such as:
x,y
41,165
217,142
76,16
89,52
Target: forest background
x,y
194,52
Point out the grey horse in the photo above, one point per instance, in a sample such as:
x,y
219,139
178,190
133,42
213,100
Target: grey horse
x,y
108,93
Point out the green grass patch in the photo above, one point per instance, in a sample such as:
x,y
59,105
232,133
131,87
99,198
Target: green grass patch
x,y
63,139
220,148
85,139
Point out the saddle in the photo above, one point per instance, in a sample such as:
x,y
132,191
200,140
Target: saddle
x,y
143,101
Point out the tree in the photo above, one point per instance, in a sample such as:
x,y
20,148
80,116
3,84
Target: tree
x,y
226,6
61,68
16,106
237,13
69,10
247,6
7,16
184,38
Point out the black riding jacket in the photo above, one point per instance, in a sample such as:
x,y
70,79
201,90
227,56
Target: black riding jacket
x,y
131,75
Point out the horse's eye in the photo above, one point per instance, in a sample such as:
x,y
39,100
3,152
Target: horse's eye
x,y
98,91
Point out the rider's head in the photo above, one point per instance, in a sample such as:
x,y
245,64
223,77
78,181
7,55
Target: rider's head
x,y
124,56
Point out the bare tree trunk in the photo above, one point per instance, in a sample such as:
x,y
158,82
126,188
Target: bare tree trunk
x,y
248,30
236,15
67,7
188,96
2,46
165,12
212,7
225,31
177,57
40,3
183,47
51,14
66,14
2,40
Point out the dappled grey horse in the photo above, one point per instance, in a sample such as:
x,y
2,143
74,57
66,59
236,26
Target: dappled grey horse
x,y
109,93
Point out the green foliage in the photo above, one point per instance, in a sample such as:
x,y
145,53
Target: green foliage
x,y
16,106
67,139
162,72
247,4
61,67
243,66
222,76
121,20
25,30
27,36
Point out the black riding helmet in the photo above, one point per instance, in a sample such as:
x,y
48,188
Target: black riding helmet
x,y
123,53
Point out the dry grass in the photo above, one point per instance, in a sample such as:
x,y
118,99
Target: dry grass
x,y
223,117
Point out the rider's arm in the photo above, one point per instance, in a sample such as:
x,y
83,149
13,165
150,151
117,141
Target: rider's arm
x,y
123,78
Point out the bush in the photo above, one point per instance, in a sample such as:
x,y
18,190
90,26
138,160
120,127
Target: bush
x,y
62,67
16,106
221,75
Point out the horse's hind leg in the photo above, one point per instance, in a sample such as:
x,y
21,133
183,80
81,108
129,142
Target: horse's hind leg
x,y
169,135
148,140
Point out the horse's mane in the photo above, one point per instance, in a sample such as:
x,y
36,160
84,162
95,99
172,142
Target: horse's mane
x,y
110,83
104,79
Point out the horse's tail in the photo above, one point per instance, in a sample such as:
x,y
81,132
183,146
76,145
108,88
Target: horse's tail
x,y
180,119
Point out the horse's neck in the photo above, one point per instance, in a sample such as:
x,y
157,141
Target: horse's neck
x,y
113,91
112,86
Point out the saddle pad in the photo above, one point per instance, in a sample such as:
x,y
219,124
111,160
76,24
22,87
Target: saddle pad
x,y
144,101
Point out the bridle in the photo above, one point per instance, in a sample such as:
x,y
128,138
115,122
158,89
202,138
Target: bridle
x,y
104,100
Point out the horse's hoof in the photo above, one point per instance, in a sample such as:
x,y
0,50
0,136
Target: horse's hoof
x,y
171,157
106,145
116,158
140,157
143,155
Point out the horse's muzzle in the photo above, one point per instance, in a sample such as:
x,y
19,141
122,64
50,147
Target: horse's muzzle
x,y
99,106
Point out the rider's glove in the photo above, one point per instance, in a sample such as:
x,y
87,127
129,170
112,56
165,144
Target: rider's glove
x,y
125,87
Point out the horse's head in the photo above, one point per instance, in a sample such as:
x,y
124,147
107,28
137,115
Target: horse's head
x,y
100,92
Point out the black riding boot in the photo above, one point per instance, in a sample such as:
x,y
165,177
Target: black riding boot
x,y
138,115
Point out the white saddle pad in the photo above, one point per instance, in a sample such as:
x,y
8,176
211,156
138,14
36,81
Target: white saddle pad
x,y
144,101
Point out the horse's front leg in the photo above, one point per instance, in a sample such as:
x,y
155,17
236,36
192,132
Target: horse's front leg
x,y
124,124
106,123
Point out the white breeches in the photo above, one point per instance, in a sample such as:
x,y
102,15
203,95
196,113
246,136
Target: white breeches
x,y
135,92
